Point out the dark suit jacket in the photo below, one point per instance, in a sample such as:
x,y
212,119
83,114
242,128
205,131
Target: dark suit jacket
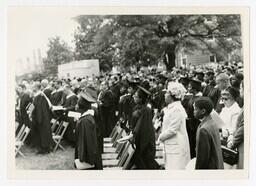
x,y
208,146
238,141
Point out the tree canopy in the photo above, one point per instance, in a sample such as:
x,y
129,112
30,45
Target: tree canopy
x,y
141,40
58,53
145,39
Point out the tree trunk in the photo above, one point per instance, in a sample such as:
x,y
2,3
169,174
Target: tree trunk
x,y
169,58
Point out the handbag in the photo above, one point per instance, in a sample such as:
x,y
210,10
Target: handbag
x,y
229,156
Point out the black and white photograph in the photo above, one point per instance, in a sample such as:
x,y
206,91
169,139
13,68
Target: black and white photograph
x,y
109,91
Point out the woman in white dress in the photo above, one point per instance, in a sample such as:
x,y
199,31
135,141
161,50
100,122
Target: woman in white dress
x,y
174,134
230,112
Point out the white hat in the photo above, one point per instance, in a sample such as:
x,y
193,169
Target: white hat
x,y
176,89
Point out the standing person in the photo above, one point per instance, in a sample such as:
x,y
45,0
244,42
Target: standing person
x,y
57,96
222,82
24,101
237,139
47,89
143,133
106,109
192,123
41,117
174,134
86,148
69,105
158,97
208,146
115,89
210,83
230,111
127,104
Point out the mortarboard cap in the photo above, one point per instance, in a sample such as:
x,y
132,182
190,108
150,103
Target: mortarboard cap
x,y
196,84
184,81
144,90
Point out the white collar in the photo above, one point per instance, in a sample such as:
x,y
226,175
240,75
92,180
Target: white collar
x,y
38,93
233,106
88,112
53,91
68,96
60,89
199,94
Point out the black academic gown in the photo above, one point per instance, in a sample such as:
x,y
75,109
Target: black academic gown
x,y
48,91
107,112
144,136
41,127
209,87
158,100
191,124
99,129
128,106
57,97
115,89
25,99
70,104
116,94
86,141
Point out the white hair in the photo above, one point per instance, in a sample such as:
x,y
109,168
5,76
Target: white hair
x,y
44,83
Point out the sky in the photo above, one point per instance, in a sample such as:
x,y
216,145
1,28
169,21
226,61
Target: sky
x,y
29,29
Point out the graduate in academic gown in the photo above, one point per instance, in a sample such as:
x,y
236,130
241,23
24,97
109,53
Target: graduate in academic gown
x,y
158,96
86,148
192,123
41,117
106,109
47,88
115,89
57,96
24,100
143,133
127,104
99,128
69,105
210,83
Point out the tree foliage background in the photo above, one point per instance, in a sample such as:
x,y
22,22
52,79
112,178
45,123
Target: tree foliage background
x,y
139,40
58,53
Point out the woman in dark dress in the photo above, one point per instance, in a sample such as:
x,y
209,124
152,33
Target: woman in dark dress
x,y
143,133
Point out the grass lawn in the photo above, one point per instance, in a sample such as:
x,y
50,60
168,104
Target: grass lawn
x,y
59,160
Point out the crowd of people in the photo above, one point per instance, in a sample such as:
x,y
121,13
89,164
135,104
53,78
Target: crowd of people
x,y
192,112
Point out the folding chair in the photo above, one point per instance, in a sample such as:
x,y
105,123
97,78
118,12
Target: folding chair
x,y
57,137
119,146
116,130
113,131
55,125
20,142
112,134
121,149
129,151
20,132
117,136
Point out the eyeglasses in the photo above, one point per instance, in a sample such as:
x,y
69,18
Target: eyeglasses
x,y
225,99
